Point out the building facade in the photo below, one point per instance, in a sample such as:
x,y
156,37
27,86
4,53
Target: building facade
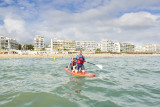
x,y
158,49
86,45
98,46
151,48
107,45
39,43
62,45
126,47
8,43
139,49
117,47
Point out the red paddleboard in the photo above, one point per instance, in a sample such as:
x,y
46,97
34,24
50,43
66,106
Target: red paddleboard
x,y
87,74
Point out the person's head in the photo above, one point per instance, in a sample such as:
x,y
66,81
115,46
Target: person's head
x,y
80,52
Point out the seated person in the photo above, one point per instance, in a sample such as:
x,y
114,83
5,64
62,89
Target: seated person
x,y
72,64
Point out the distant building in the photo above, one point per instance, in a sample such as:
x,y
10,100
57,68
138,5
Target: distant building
x,y
139,49
158,49
39,43
117,47
126,47
98,46
8,43
62,45
86,45
151,48
48,48
107,45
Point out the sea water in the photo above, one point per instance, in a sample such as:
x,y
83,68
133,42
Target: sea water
x,y
43,82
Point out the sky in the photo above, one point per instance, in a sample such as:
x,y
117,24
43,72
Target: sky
x,y
135,21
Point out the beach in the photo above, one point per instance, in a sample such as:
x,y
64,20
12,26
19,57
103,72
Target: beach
x,y
71,55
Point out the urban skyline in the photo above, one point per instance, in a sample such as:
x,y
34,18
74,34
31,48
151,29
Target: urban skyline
x,y
48,42
57,44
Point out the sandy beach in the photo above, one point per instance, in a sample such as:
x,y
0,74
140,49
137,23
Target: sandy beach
x,y
71,55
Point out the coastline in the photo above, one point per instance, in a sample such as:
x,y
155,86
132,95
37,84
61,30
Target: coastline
x,y
71,55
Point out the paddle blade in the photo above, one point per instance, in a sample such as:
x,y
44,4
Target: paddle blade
x,y
100,66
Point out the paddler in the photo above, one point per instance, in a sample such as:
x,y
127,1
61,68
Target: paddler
x,y
72,64
80,61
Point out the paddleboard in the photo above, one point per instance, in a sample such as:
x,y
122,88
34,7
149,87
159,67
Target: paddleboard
x,y
87,74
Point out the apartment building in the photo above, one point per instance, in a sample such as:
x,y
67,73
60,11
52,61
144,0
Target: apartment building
x,y
8,43
151,48
126,47
86,45
139,49
62,45
117,47
107,45
98,46
39,43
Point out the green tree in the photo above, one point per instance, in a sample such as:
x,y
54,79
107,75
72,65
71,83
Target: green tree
x,y
19,46
98,50
29,47
65,49
3,47
43,49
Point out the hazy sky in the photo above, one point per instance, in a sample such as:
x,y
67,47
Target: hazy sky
x,y
136,21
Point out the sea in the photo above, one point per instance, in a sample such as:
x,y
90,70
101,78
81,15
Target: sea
x,y
42,82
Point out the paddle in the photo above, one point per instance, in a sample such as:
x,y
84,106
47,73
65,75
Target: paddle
x,y
99,66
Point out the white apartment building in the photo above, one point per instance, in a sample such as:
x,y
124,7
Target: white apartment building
x,y
151,48
39,43
139,49
117,47
86,45
48,48
158,49
62,45
107,45
126,47
8,43
98,46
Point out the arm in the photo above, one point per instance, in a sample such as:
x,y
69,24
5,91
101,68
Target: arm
x,y
69,65
84,59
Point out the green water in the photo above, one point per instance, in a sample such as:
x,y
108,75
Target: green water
x,y
42,82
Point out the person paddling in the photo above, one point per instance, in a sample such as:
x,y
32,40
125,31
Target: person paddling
x,y
72,64
80,61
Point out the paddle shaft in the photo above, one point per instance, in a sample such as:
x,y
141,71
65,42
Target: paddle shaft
x,y
91,63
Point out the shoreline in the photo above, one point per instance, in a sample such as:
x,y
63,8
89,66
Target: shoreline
x,y
2,56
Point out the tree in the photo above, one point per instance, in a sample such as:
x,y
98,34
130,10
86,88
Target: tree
x,y
43,49
65,49
19,46
29,47
110,51
3,47
98,50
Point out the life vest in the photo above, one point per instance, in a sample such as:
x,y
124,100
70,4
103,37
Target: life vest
x,y
80,59
73,63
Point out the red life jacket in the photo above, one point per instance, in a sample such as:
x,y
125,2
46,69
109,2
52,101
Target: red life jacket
x,y
80,59
73,63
